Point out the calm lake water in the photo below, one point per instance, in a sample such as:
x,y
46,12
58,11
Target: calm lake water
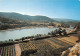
x,y
16,34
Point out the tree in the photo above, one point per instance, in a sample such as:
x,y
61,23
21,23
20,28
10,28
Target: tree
x,y
22,38
59,31
10,39
51,24
28,52
16,39
65,25
64,32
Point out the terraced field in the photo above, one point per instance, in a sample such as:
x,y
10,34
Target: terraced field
x,y
39,45
71,39
27,46
66,41
7,51
42,46
45,45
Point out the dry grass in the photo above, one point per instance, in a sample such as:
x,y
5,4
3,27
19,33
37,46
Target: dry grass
x,y
71,39
53,44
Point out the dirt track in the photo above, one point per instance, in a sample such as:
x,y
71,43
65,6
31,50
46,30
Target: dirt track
x,y
17,50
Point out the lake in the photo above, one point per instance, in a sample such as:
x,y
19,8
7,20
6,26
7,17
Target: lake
x,y
19,33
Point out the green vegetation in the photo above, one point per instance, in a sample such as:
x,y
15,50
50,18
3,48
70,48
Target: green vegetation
x,y
58,31
28,52
16,20
8,23
38,18
65,25
26,17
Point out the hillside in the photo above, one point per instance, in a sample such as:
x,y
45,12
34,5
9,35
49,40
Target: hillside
x,y
26,17
8,20
37,18
8,23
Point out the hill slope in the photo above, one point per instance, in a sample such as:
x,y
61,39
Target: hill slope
x,y
65,20
26,17
38,18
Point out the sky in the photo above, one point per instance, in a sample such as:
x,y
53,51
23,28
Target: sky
x,y
67,9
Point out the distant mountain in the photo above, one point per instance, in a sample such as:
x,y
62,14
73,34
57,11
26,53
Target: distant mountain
x,y
41,19
65,20
38,18
26,17
13,15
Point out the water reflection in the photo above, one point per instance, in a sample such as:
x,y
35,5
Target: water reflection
x,y
16,34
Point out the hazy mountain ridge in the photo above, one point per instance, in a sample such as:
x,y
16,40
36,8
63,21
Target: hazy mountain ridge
x,y
37,18
65,20
26,17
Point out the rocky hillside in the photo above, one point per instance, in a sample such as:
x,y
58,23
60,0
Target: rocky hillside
x,y
73,51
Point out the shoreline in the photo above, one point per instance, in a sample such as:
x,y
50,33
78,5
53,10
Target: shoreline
x,y
30,27
68,32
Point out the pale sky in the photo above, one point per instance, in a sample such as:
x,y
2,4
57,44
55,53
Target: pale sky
x,y
69,9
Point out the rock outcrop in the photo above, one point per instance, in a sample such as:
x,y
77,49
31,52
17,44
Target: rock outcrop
x,y
73,51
